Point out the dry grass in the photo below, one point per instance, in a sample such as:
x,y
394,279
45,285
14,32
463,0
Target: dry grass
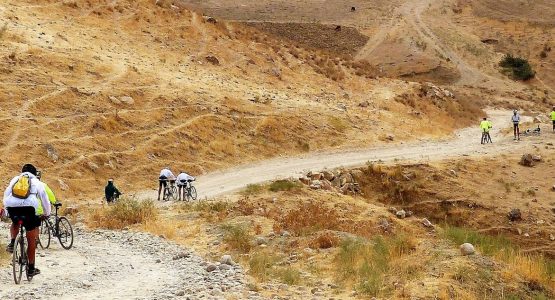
x,y
324,241
261,263
532,267
366,264
238,237
4,255
124,213
309,217
284,185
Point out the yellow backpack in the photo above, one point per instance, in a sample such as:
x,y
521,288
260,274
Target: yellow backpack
x,y
22,188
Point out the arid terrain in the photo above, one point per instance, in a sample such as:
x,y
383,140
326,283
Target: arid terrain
x,y
383,97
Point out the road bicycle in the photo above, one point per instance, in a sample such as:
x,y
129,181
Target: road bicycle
x,y
55,226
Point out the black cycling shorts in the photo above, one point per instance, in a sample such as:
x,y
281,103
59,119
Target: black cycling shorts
x,y
30,220
163,181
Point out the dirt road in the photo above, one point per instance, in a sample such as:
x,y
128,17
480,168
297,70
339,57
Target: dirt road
x,y
465,143
122,265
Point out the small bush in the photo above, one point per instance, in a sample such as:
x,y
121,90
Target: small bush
x,y
310,217
283,185
325,241
289,276
124,213
3,30
337,124
261,263
518,68
237,237
252,189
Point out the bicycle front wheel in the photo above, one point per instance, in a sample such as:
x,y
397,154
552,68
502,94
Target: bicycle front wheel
x,y
65,233
44,234
19,259
193,193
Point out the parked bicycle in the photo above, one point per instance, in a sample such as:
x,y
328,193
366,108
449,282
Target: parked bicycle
x,y
190,191
58,227
170,191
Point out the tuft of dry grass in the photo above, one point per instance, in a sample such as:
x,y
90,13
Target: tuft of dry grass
x,y
261,264
309,217
124,213
238,237
325,240
4,255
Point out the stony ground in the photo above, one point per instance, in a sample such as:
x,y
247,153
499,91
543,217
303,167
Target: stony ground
x,y
125,265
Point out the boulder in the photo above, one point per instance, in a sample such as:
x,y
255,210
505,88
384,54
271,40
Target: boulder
x,y
304,180
316,184
329,176
227,260
427,223
537,158
316,176
467,249
527,160
401,214
514,215
326,185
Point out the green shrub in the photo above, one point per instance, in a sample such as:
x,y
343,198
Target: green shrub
x,y
261,263
289,275
283,185
518,68
252,189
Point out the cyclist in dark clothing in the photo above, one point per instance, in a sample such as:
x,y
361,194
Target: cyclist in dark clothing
x,y
111,192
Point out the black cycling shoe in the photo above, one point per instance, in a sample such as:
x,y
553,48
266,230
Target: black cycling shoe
x,y
33,272
9,248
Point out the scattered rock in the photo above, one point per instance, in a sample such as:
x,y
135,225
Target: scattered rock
x,y
427,223
537,158
211,268
316,185
227,260
304,180
526,235
551,237
51,152
114,100
63,185
401,214
224,267
514,215
364,104
213,60
127,100
261,241
467,249
329,176
285,234
210,20
315,176
527,160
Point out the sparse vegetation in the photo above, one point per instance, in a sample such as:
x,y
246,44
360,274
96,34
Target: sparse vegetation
x,y
237,236
261,263
518,68
289,275
284,185
366,263
124,213
3,30
252,189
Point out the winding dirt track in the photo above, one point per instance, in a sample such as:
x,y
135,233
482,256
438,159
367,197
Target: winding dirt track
x,y
465,143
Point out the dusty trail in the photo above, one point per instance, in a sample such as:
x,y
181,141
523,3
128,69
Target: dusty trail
x,y
122,265
466,143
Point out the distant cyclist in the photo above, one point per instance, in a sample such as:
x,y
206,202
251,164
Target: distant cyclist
x,y
553,117
49,193
165,175
111,192
486,126
183,180
516,121
25,191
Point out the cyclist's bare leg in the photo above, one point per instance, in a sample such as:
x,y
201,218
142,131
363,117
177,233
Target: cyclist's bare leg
x,y
179,188
14,230
32,242
159,191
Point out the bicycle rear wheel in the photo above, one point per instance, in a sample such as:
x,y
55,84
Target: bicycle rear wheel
x,y
19,259
193,193
65,233
173,191
44,234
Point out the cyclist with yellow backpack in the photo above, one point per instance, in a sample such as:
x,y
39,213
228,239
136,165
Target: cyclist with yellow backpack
x,y
23,197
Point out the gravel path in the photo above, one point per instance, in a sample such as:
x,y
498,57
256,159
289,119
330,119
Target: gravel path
x,y
124,265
